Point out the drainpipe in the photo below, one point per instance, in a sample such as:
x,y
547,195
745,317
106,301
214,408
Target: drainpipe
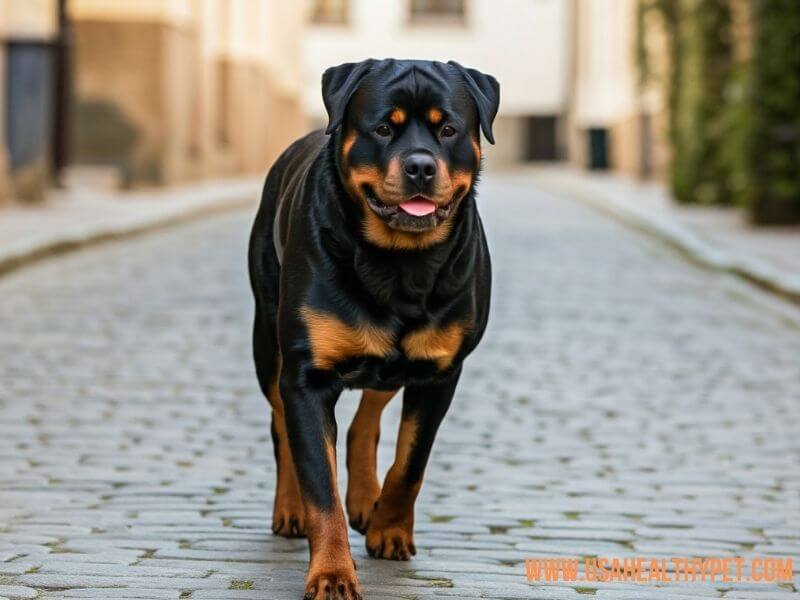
x,y
62,92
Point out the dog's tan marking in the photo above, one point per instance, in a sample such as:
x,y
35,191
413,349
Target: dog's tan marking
x,y
288,517
331,564
460,182
391,530
389,189
476,147
397,116
380,234
333,340
433,343
363,487
347,144
435,115
451,185
360,176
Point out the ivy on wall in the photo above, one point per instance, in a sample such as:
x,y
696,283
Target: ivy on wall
x,y
700,57
773,118
669,13
699,172
734,127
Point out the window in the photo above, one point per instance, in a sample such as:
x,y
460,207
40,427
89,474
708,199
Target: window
x,y
331,12
541,138
424,10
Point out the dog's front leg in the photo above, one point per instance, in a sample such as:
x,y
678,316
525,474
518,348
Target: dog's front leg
x,y
391,528
311,425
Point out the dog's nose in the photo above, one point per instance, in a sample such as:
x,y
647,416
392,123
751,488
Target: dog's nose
x,y
420,168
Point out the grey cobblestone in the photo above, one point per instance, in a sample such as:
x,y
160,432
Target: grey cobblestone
x,y
16,592
623,403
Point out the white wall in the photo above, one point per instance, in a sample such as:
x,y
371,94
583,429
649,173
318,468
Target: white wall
x,y
605,88
27,18
178,12
524,43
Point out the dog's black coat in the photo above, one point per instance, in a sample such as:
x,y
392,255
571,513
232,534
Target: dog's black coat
x,y
308,251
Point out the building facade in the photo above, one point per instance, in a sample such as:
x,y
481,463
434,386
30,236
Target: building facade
x,y
567,68
615,122
28,31
174,90
524,43
153,92
164,91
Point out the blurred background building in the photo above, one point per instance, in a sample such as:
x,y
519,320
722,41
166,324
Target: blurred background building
x,y
154,92
524,44
29,31
144,92
613,122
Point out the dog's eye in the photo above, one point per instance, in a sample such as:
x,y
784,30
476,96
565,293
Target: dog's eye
x,y
383,130
447,131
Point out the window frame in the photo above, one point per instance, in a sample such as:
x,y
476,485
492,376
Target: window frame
x,y
318,18
424,19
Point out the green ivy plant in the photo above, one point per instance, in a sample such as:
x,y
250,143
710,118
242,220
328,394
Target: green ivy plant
x,y
772,123
734,128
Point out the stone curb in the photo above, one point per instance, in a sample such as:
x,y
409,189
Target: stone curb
x,y
175,206
676,235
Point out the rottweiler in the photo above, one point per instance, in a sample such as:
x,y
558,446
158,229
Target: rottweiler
x,y
370,270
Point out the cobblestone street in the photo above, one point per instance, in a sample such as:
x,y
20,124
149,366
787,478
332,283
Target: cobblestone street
x,y
623,403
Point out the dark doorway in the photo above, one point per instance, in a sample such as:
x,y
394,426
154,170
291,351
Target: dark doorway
x,y
62,91
598,149
541,138
645,146
29,102
37,107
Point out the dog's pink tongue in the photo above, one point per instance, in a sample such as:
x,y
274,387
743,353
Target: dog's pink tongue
x,y
418,206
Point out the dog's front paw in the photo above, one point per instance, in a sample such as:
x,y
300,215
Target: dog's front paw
x,y
288,518
360,504
392,542
359,516
333,584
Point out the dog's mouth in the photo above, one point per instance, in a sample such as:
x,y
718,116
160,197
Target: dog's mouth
x,y
418,213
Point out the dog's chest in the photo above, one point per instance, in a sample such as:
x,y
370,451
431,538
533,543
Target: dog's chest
x,y
348,348
424,317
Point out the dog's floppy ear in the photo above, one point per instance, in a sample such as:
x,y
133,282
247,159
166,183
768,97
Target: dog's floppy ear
x,y
485,92
338,85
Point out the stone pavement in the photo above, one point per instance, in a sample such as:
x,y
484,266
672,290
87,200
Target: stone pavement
x,y
83,215
623,403
713,236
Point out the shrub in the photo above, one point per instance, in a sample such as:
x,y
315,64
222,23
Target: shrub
x,y
698,172
773,124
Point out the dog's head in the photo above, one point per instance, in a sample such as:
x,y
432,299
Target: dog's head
x,y
409,149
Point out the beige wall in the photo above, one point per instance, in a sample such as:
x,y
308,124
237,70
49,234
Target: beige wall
x,y
202,86
27,18
174,12
606,90
604,93
605,81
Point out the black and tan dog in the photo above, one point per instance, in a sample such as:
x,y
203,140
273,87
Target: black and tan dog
x,y
370,270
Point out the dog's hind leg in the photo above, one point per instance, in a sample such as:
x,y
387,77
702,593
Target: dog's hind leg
x,y
288,516
363,487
